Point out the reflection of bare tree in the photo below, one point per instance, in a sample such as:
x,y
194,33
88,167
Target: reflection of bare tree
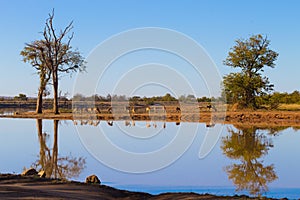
x,y
248,146
54,166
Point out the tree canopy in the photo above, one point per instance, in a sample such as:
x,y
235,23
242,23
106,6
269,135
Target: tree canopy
x,y
251,56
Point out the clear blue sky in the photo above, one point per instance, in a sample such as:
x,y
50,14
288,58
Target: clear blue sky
x,y
213,24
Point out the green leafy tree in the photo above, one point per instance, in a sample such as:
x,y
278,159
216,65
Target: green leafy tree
x,y
251,56
168,97
52,56
21,97
204,99
35,55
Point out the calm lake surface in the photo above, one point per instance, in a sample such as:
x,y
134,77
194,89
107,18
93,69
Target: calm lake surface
x,y
255,160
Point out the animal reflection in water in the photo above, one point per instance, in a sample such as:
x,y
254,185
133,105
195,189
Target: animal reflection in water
x,y
148,124
86,122
210,124
127,123
110,123
91,122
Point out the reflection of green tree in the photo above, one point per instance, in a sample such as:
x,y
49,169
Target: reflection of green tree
x,y
54,166
274,130
296,128
248,146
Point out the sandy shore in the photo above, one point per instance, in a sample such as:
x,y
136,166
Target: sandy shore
x,y
29,187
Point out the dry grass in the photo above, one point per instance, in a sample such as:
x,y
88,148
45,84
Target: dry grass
x,y
289,107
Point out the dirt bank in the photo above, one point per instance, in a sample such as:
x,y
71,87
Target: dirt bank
x,y
20,187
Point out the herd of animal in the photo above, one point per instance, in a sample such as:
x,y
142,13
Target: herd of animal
x,y
133,109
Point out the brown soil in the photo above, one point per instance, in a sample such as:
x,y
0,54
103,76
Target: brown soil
x,y
270,118
29,187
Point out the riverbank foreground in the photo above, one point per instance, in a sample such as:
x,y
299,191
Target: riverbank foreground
x,y
31,187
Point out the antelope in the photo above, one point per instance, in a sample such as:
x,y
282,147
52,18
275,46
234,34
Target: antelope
x,y
211,107
96,109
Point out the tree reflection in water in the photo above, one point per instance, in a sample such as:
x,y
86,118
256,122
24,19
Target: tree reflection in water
x,y
49,161
249,146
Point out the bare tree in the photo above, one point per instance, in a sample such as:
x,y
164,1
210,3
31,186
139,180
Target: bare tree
x,y
53,55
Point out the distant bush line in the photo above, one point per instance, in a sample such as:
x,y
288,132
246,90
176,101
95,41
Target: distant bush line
x,y
271,99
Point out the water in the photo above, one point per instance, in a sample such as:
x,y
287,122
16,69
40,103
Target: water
x,y
241,158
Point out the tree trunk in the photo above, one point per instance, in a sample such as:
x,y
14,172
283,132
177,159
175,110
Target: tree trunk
x,y
42,158
39,126
55,93
39,102
249,98
55,149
